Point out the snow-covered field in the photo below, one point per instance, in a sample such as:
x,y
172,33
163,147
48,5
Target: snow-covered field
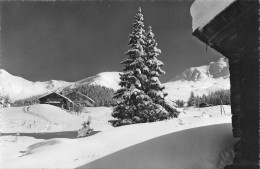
x,y
181,89
146,144
48,118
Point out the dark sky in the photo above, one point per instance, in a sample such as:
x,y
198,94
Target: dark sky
x,y
74,40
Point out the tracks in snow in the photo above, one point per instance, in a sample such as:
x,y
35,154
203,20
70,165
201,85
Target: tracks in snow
x,y
27,111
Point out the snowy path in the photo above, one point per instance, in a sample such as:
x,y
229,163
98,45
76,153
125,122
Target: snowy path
x,y
27,110
38,118
49,124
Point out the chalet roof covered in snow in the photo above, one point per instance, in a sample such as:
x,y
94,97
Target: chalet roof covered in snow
x,y
88,98
46,95
203,11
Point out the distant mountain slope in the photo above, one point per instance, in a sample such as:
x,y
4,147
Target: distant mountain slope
x,y
213,70
200,80
181,89
18,88
107,79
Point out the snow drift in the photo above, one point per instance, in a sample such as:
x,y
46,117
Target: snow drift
x,y
164,144
198,148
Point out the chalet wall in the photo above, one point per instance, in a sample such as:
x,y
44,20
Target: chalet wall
x,y
235,34
249,88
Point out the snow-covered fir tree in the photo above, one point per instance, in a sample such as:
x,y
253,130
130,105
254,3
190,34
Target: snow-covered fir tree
x,y
153,86
191,101
134,104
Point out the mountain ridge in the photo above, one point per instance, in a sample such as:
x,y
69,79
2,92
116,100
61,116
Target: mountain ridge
x,y
201,80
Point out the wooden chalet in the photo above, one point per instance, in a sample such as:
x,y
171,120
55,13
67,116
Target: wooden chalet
x,y
234,33
57,99
79,98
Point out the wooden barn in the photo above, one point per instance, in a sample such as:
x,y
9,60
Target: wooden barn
x,y
57,99
79,98
234,33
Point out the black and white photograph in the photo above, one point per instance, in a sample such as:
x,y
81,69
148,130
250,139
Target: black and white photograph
x,y
129,84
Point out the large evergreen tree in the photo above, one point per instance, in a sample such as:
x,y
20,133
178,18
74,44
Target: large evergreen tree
x,y
134,104
153,86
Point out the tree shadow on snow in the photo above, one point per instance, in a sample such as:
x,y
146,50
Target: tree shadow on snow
x,y
198,148
51,135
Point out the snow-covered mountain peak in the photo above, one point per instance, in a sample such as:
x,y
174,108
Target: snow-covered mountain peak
x,y
107,79
16,87
219,68
4,73
213,70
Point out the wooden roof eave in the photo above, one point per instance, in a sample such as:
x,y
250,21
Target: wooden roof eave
x,y
227,30
57,94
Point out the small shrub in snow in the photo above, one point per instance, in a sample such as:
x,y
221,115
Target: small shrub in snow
x,y
5,102
86,129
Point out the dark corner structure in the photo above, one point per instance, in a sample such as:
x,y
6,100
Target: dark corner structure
x,y
235,34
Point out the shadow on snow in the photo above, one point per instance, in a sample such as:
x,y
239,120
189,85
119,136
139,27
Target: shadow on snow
x,y
50,135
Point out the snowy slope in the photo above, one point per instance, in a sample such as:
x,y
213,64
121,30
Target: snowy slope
x,y
201,80
38,118
203,11
18,88
48,118
181,89
211,147
107,79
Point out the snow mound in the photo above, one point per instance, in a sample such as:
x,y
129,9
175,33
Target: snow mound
x,y
199,148
37,146
203,11
38,118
